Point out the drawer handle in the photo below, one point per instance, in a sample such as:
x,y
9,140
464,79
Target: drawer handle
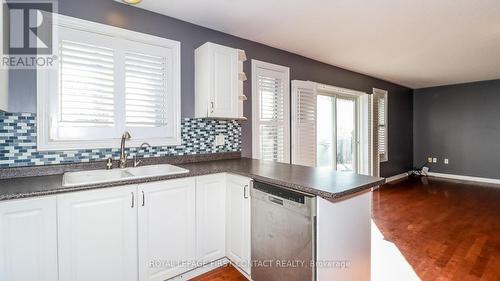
x,y
276,200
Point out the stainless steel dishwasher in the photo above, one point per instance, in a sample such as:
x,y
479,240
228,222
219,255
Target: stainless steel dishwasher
x,y
283,239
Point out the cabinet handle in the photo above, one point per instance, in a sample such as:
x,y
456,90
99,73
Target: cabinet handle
x,y
132,206
245,188
143,198
212,107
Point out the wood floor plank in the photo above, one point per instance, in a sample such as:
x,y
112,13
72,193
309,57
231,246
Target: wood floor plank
x,y
456,224
225,273
447,230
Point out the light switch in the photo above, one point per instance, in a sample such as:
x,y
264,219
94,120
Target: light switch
x,y
446,161
434,160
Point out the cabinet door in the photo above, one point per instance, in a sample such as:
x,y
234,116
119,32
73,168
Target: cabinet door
x,y
238,221
98,235
166,228
224,92
28,240
210,217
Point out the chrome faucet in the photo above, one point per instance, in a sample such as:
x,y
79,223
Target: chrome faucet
x,y
123,155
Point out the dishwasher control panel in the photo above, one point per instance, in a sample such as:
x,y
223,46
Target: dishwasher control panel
x,y
280,192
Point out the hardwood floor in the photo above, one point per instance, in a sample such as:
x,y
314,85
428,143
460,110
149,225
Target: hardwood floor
x,y
226,273
446,230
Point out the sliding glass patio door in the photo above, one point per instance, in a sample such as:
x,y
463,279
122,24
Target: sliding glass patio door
x,y
336,127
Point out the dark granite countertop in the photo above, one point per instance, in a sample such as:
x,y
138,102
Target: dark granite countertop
x,y
326,183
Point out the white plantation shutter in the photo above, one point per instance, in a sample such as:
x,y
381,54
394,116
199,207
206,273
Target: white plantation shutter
x,y
87,84
270,103
145,90
381,123
304,123
109,80
150,107
148,82
86,94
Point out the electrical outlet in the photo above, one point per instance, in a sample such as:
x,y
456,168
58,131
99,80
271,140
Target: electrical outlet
x,y
429,159
220,139
446,161
434,160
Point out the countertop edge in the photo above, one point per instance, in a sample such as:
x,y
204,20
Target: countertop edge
x,y
297,187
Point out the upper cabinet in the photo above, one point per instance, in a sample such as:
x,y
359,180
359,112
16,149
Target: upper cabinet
x,y
219,80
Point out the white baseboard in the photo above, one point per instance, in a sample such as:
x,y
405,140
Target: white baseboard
x,y
465,178
207,268
200,270
396,177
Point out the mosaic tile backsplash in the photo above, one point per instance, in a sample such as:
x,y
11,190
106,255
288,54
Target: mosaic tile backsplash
x,y
18,142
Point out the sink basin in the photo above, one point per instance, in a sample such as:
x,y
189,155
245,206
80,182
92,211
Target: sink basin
x,y
156,171
72,179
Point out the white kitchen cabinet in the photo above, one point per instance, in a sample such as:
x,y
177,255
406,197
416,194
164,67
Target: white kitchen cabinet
x,y
97,235
217,82
166,228
238,221
28,240
210,217
4,73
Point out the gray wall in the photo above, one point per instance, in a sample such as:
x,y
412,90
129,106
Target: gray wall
x,y
22,87
461,123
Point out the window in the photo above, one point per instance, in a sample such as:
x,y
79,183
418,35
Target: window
x,y
109,80
380,104
270,111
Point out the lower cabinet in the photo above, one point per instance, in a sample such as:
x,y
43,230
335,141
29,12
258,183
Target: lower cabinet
x,y
210,218
146,232
28,240
166,228
97,235
238,221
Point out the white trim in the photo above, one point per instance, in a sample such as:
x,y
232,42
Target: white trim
x,y
47,78
285,71
396,177
202,269
465,178
338,90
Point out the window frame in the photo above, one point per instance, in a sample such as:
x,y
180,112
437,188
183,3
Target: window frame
x,y
48,86
378,93
256,122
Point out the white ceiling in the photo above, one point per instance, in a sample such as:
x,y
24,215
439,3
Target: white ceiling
x,y
415,43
